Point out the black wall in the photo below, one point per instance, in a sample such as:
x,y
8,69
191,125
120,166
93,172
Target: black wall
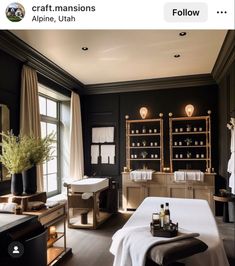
x,y
10,69
226,106
108,108
100,110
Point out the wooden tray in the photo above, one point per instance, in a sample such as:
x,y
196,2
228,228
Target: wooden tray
x,y
163,232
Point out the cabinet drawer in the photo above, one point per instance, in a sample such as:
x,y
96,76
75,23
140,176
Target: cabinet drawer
x,y
52,216
208,181
158,179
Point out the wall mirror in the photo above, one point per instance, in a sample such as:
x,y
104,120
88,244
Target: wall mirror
x,y
4,126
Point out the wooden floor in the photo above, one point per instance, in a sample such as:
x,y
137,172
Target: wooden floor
x,y
91,247
227,233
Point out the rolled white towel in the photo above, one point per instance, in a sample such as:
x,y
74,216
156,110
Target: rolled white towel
x,y
8,207
86,195
179,176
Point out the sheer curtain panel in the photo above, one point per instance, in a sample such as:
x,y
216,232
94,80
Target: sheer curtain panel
x,y
76,141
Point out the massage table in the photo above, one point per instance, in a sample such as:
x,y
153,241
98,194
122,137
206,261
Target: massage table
x,y
193,216
86,207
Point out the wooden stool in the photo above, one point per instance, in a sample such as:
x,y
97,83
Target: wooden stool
x,y
225,201
84,218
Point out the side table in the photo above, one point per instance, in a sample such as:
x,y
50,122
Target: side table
x,y
225,201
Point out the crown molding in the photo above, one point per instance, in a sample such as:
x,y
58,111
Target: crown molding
x,y
225,58
14,46
151,84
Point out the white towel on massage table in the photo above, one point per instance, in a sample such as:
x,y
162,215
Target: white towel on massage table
x,y
194,216
132,244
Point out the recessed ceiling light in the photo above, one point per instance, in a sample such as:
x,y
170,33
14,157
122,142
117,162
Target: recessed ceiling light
x,y
182,33
177,55
84,48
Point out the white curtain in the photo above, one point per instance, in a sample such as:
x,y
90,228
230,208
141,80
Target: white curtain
x,y
29,111
76,142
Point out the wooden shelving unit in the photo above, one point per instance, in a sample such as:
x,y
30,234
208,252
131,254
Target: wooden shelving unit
x,y
196,133
54,217
144,136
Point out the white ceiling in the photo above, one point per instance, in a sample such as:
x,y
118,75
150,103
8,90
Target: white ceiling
x,y
124,55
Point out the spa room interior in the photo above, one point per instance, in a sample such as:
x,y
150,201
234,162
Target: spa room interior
x,y
117,147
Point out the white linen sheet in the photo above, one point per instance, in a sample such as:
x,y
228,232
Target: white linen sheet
x,y
192,215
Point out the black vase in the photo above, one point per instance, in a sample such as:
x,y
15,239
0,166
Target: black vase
x,y
16,184
30,180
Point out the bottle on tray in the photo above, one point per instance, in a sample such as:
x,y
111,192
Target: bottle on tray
x,y
162,214
167,214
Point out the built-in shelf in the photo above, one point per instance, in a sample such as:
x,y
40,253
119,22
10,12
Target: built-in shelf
x,y
145,147
191,159
51,241
195,146
142,135
155,136
150,159
53,253
190,133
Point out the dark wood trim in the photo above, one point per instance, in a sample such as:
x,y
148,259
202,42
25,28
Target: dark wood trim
x,y
225,58
151,84
25,53
12,45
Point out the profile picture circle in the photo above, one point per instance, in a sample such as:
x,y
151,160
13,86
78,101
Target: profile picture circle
x,y
15,12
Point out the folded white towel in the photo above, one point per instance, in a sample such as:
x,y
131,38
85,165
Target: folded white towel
x,y
141,175
188,175
86,195
94,154
107,154
130,245
179,176
102,134
109,134
8,207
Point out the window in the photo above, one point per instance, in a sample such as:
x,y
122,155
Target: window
x,y
50,122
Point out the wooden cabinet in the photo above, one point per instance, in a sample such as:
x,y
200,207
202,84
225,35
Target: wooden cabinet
x,y
135,192
163,185
54,219
190,143
144,144
48,217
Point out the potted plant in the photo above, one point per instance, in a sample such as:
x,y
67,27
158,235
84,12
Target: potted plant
x,y
143,154
188,141
38,150
20,155
15,160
